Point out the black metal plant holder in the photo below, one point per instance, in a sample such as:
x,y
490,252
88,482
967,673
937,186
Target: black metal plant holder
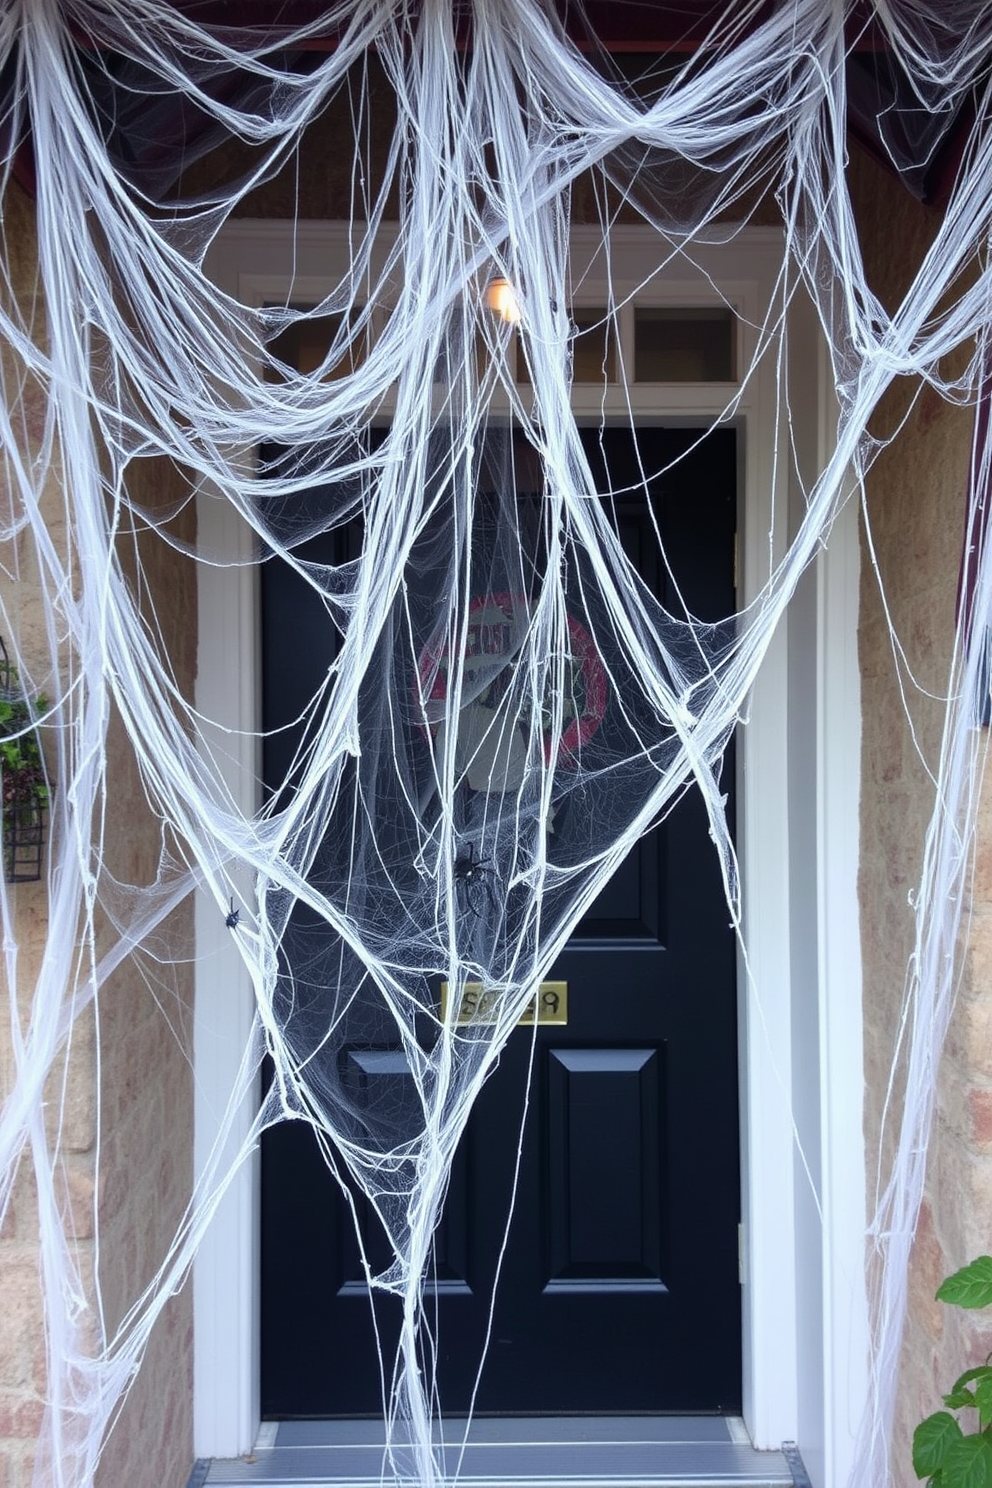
x,y
23,787
25,828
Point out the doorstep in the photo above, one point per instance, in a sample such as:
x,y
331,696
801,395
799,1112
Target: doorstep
x,y
555,1452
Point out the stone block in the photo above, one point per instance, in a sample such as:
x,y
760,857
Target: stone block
x,y
80,1190
21,1416
964,1106
980,885
20,1318
961,1186
926,1272
976,933
71,1093
20,1222
23,1464
979,1104
969,1036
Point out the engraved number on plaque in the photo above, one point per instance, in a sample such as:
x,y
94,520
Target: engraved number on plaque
x,y
481,1005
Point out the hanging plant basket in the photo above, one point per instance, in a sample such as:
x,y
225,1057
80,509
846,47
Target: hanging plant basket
x,y
25,829
24,787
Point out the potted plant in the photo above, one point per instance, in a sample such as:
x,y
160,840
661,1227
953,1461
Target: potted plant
x,y
943,1453
24,788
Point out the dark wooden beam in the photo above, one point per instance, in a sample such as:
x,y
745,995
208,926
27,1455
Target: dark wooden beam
x,y
151,137
657,26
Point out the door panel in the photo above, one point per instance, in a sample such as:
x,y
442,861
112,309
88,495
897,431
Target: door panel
x,y
603,1217
618,1283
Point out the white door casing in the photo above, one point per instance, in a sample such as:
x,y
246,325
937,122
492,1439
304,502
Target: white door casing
x,y
805,1362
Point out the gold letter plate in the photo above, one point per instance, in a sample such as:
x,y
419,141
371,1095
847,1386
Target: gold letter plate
x,y
481,1006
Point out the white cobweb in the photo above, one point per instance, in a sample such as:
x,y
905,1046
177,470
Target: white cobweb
x,y
450,813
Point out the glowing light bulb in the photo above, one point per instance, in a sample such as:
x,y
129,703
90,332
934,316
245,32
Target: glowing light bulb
x,y
502,300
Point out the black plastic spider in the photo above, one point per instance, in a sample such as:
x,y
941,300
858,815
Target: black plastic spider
x,y
234,918
469,872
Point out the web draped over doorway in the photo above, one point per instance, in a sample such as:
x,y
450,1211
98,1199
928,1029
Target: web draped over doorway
x,y
508,708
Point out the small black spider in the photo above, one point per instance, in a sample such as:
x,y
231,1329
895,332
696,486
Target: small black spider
x,y
234,918
469,872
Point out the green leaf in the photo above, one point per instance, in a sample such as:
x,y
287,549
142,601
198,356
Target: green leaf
x,y
960,1396
969,1287
968,1463
983,1397
980,1371
931,1442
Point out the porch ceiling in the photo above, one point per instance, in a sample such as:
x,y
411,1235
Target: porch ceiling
x,y
152,135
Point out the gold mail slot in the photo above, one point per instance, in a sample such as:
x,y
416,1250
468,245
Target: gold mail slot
x,y
481,1005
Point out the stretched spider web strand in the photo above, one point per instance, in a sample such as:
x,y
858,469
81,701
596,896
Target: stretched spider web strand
x,y
141,355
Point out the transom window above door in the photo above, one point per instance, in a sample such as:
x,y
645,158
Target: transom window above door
x,y
640,344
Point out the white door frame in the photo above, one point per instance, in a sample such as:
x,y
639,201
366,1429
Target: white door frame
x,y
805,1363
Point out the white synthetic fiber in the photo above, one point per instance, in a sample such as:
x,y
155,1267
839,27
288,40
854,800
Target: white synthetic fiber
x,y
446,820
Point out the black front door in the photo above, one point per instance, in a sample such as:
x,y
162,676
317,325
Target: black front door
x,y
618,1280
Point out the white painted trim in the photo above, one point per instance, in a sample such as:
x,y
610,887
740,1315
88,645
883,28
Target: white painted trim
x,y
225,1272
844,1193
258,261
769,1291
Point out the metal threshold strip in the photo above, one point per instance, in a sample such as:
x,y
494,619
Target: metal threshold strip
x,y
558,1452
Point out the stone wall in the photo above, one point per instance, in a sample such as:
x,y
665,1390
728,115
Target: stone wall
x,y
146,1027
144,1102
22,1346
916,496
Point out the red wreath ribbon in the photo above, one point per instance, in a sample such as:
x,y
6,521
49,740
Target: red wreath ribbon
x,y
490,633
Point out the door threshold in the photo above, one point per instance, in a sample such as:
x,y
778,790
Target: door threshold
x,y
504,1452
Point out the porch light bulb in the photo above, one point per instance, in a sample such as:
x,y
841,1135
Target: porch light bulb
x,y
501,299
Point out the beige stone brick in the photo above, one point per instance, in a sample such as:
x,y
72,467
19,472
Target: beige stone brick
x,y
981,878
39,1363
927,1270
977,965
24,1201
979,1102
962,1202
80,1185
71,1090
20,1317
23,1465
21,1416
962,1109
